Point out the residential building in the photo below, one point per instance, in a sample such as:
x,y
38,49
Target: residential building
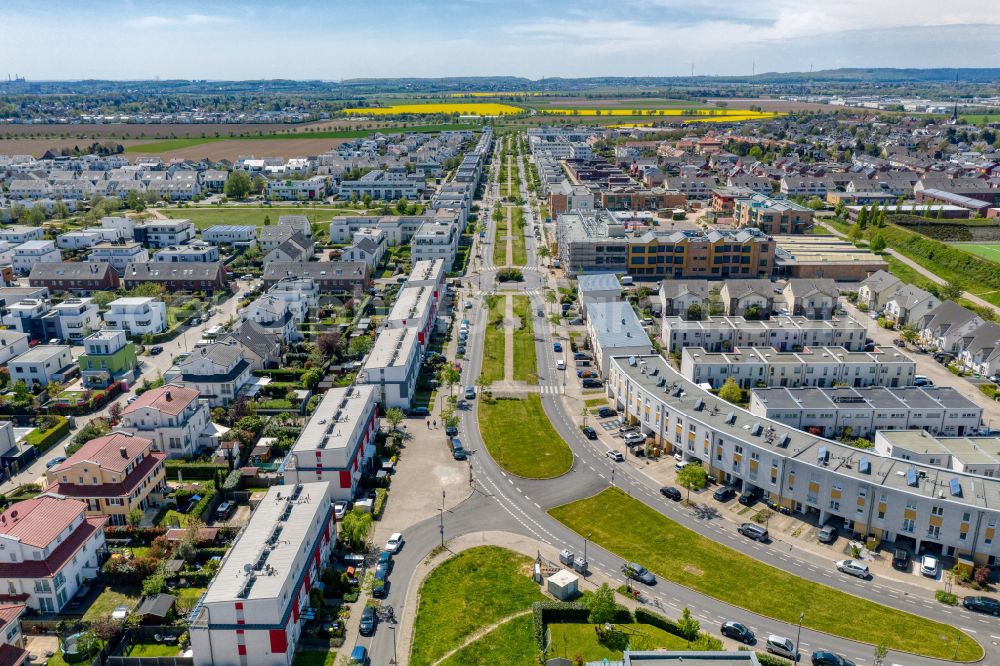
x,y
381,185
754,296
309,189
369,246
416,307
107,357
677,296
43,364
614,330
118,228
817,257
785,333
351,277
50,548
981,350
435,240
597,288
34,252
724,198
83,239
171,416
137,315
870,495
12,344
297,223
945,327
119,254
814,299
909,303
392,366
113,474
846,412
252,612
260,349
821,366
78,277
196,252
337,445
968,454
72,319
164,233
188,277
296,248
237,235
275,316
12,650
876,289
217,371
428,273
16,234
771,215
25,316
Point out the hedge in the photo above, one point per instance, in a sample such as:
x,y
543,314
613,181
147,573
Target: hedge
x,y
768,659
381,494
44,440
192,470
204,504
572,612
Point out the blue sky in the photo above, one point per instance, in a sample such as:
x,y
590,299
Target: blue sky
x,y
335,39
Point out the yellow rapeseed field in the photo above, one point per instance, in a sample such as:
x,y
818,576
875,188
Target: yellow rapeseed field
x,y
464,109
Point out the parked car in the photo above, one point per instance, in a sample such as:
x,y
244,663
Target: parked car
x,y
470,393
368,621
825,658
639,573
339,510
359,656
748,497
901,559
461,350
899,342
225,510
781,646
723,494
155,350
589,432
591,383
385,557
827,535
982,605
420,411
854,568
606,412
394,543
738,632
921,380
557,347
58,460
586,374
930,566
753,531
671,493
580,356
616,456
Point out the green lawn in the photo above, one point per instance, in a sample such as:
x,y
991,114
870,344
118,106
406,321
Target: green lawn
x,y
989,251
472,590
595,402
111,597
154,650
499,243
569,640
495,341
521,439
519,252
207,216
524,342
313,658
511,643
637,532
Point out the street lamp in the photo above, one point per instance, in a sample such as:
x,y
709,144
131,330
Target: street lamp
x,y
585,540
442,519
393,628
798,635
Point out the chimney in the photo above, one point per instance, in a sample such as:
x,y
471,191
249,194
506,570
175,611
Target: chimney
x,y
124,452
168,396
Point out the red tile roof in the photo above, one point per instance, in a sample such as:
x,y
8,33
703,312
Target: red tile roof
x,y
169,399
10,613
37,522
57,560
11,655
105,452
122,489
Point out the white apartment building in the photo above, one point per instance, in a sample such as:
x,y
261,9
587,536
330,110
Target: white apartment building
x,y
196,252
217,371
614,330
237,235
435,240
17,234
785,333
337,445
33,252
81,240
821,367
119,228
137,315
860,412
171,416
164,233
428,272
50,547
275,316
416,307
251,613
12,344
388,185
24,315
969,454
308,189
119,255
42,364
392,366
900,501
73,319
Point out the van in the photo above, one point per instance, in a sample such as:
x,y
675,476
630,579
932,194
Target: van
x,y
680,465
626,279
457,451
781,646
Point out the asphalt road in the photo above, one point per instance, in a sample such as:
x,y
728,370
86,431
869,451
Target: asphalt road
x,y
504,502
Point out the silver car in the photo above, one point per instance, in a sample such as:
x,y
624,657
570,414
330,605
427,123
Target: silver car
x,y
854,568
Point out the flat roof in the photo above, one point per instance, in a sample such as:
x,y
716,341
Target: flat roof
x,y
412,301
598,282
259,563
969,450
336,423
616,325
393,347
42,353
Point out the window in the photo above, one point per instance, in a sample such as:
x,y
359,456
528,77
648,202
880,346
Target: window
x,y
907,525
937,510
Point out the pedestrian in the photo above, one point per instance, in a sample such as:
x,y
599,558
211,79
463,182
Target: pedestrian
x,y
435,423
428,424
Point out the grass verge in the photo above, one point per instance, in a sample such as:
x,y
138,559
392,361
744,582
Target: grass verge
x,y
495,341
510,643
570,640
499,242
521,439
519,253
637,532
472,590
524,342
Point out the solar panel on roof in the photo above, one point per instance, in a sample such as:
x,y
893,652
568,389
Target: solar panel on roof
x,y
824,454
731,418
755,429
784,440
700,405
911,477
865,466
956,487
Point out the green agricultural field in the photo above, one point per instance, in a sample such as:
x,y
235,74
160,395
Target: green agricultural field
x,y
989,251
205,217
636,532
521,439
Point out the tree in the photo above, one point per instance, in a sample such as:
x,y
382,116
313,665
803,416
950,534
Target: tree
x,y
854,233
602,605
153,585
692,477
394,416
104,627
329,344
449,375
238,185
449,417
134,516
688,625
731,391
950,291
355,528
360,345
862,221
981,576
909,333
877,243
115,412
694,312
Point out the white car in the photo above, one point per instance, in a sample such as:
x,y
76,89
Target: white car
x,y
634,437
854,568
930,566
616,456
339,510
394,543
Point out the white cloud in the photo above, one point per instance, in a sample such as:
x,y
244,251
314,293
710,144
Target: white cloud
x,y
188,20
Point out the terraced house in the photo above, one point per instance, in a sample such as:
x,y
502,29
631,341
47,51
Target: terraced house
x,y
113,474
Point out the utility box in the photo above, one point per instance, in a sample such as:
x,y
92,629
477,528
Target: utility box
x,y
563,585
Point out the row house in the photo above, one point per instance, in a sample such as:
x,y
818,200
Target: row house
x,y
786,333
119,254
187,277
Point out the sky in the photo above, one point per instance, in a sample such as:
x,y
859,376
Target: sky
x,y
337,39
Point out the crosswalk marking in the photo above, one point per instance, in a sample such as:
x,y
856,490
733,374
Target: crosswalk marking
x,y
551,390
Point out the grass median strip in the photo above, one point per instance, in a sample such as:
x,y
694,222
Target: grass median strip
x,y
524,342
519,254
638,533
468,592
521,439
494,340
500,241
